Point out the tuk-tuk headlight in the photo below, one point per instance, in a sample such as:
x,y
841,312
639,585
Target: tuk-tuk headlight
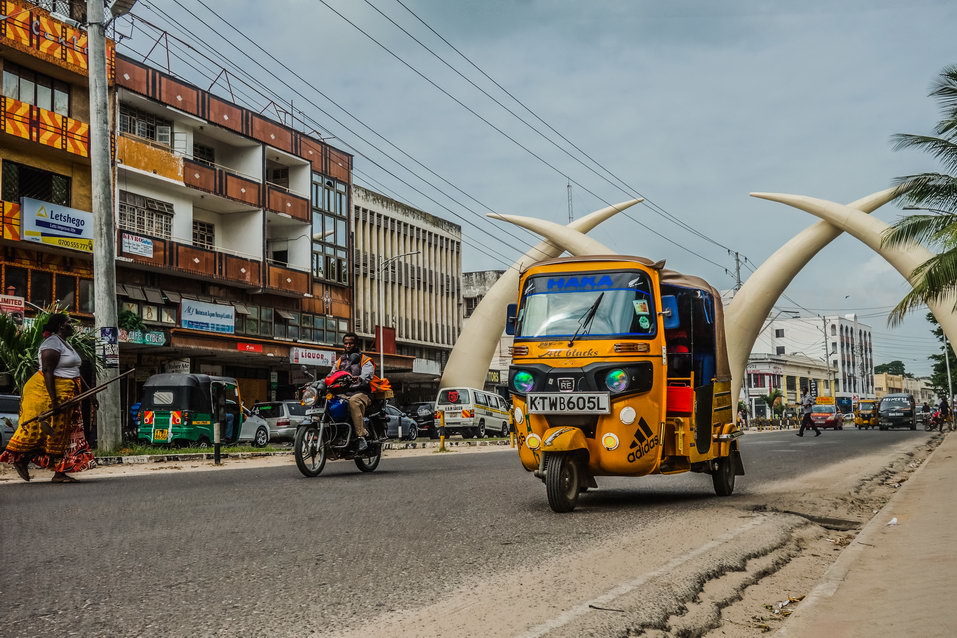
x,y
523,381
533,441
617,380
309,396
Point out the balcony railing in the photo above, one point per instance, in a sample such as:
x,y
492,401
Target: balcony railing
x,y
192,260
44,127
221,182
10,221
284,203
285,281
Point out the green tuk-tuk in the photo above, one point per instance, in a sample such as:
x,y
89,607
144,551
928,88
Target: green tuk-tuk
x,y
183,408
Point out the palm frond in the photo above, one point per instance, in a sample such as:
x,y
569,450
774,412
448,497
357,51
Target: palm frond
x,y
935,228
943,150
933,281
945,89
929,190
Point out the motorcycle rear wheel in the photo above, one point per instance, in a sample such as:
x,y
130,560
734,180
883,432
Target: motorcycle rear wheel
x,y
370,461
310,451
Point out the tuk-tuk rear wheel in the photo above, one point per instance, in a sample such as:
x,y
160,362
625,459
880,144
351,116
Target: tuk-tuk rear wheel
x,y
562,480
723,476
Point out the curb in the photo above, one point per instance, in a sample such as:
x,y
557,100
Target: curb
x,y
837,572
141,459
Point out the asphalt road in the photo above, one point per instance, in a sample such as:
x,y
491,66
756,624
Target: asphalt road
x,y
267,551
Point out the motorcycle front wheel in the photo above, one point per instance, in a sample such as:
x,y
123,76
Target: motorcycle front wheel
x,y
370,461
309,450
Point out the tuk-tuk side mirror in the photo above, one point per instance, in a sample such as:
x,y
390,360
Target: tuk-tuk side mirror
x,y
669,310
510,318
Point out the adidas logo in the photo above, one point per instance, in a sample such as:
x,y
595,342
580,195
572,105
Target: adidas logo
x,y
645,440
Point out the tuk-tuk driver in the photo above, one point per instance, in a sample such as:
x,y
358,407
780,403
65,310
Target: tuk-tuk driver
x,y
362,368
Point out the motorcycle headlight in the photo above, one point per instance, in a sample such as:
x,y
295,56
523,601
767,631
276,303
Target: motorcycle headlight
x,y
617,381
309,396
523,381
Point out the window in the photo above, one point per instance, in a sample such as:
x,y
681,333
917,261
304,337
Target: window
x,y
204,235
146,215
779,333
41,288
330,260
36,89
204,154
779,350
147,125
66,291
20,180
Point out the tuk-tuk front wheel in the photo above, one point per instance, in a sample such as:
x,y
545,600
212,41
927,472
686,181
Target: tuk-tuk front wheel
x,y
562,480
723,476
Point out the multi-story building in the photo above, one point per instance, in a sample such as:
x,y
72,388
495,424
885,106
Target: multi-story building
x,y
792,374
886,383
233,243
420,289
847,342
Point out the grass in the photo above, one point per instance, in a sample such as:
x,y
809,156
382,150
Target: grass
x,y
140,450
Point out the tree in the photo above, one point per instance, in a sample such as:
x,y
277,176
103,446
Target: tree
x,y
936,193
891,367
938,378
773,400
20,346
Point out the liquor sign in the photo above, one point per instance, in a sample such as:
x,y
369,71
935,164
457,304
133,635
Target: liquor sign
x,y
249,347
307,357
54,225
208,317
136,245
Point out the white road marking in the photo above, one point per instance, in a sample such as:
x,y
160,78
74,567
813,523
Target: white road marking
x,y
625,588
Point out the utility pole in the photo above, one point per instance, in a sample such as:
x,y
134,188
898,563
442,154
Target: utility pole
x,y
109,417
571,213
827,360
737,271
950,384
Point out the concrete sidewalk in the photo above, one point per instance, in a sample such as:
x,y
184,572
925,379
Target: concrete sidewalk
x,y
895,579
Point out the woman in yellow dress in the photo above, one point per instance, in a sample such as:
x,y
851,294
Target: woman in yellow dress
x,y
57,442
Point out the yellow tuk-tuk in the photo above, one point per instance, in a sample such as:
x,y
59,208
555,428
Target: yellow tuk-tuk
x,y
865,416
619,368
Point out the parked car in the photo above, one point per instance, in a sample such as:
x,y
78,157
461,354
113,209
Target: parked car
x,y
9,416
254,429
827,416
897,411
472,412
423,413
410,429
283,417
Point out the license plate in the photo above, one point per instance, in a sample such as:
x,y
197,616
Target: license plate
x,y
896,414
160,435
314,411
577,403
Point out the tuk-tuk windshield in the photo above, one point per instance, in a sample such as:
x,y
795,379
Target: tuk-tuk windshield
x,y
556,306
175,398
866,405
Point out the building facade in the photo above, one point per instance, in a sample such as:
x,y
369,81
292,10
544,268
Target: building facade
x,y
886,383
421,288
847,341
233,243
791,374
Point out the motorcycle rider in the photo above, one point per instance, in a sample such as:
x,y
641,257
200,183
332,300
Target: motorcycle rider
x,y
362,368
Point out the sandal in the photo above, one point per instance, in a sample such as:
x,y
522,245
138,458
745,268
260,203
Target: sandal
x,y
21,468
63,479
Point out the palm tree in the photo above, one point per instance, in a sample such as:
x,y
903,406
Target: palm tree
x,y
771,399
20,346
935,193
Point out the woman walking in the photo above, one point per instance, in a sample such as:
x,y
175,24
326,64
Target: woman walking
x,y
56,442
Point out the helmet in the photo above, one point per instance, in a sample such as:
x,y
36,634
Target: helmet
x,y
338,409
337,380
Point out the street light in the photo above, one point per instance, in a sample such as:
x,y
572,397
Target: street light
x,y
382,264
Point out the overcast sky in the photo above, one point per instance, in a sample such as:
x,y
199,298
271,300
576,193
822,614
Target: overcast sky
x,y
694,104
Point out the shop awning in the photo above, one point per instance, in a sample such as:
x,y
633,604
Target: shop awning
x,y
135,292
120,290
241,309
291,317
174,297
154,295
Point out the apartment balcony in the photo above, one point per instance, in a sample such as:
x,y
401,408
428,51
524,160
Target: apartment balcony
x,y
148,156
281,201
10,221
44,127
218,181
286,281
211,265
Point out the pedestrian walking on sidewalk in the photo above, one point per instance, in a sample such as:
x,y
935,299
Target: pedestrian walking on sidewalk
x,y
56,442
807,406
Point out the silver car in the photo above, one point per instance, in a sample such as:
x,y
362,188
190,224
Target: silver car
x,y
283,417
9,416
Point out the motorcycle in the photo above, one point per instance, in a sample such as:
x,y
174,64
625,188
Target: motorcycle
x,y
328,432
933,423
